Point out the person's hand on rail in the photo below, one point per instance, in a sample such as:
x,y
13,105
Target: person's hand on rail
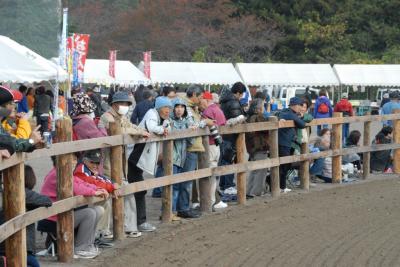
x,y
4,154
100,192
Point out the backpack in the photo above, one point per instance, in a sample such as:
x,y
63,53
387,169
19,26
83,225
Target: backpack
x,y
323,108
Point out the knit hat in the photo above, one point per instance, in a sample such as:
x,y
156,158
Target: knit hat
x,y
296,101
162,101
5,95
93,155
207,95
345,95
82,104
121,96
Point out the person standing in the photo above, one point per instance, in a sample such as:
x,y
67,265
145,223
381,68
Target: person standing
x,y
43,105
23,104
286,136
346,108
142,107
30,96
390,106
322,108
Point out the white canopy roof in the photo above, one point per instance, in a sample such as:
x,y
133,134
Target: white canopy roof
x,y
368,75
287,74
192,72
96,71
20,64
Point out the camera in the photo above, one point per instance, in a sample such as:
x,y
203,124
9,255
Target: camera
x,y
215,134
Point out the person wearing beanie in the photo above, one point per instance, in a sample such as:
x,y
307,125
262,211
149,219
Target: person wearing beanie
x,y
288,135
346,108
144,156
120,103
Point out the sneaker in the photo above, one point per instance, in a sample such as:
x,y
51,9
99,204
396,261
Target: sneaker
x,y
146,227
190,214
175,218
107,235
133,234
101,243
195,205
286,190
85,254
230,191
220,205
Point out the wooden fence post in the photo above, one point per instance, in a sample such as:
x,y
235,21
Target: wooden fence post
x,y
65,220
396,140
241,177
366,155
274,153
205,183
305,169
14,205
167,160
116,176
337,144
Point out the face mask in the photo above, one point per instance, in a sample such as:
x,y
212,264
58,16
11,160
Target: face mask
x,y
122,110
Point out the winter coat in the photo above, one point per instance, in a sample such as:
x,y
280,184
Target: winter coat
x,y
140,110
230,105
23,105
318,102
344,106
145,156
381,160
127,128
96,98
19,129
49,188
100,181
306,118
43,104
286,136
33,200
13,144
214,112
84,127
197,145
256,141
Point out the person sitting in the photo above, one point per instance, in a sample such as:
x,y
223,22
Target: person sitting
x,y
85,218
322,167
381,161
352,141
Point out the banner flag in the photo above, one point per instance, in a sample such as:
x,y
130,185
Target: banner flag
x,y
112,59
63,41
75,68
147,61
81,44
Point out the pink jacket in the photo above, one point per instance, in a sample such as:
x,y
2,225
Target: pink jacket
x,y
49,188
85,128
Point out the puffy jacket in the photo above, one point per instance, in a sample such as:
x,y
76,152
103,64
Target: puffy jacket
x,y
19,129
230,105
318,102
344,106
100,181
85,128
288,135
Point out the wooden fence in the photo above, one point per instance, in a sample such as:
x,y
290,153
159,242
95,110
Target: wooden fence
x,y
13,231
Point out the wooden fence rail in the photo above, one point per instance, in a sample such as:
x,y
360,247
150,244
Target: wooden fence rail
x,y
13,231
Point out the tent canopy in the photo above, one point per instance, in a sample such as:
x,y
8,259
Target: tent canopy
x,y
192,72
96,71
368,75
20,64
256,74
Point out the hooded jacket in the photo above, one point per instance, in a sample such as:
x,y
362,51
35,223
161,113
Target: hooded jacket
x,y
318,102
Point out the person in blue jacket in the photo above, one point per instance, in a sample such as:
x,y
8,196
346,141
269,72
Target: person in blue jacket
x,y
286,136
322,108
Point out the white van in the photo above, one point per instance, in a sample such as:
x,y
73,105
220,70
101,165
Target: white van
x,y
382,91
285,93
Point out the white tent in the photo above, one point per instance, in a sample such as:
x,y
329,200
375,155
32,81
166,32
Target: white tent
x,y
368,75
20,64
96,71
256,74
192,72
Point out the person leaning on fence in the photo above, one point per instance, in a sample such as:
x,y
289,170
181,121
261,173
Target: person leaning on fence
x,y
381,161
120,103
85,218
286,136
389,107
211,110
322,108
257,147
234,113
346,108
33,200
145,156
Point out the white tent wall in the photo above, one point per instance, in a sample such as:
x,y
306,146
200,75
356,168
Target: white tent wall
x,y
20,64
192,72
126,74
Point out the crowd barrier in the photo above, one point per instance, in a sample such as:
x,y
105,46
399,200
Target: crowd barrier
x,y
13,230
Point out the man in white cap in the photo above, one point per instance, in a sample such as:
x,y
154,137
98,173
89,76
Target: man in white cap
x,y
346,108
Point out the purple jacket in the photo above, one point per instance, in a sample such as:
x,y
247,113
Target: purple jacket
x,y
319,101
85,128
214,112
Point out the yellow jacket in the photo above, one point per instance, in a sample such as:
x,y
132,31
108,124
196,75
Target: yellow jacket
x,y
22,130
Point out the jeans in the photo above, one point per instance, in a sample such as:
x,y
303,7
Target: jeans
x,y
181,193
345,132
185,188
226,181
317,167
284,168
43,121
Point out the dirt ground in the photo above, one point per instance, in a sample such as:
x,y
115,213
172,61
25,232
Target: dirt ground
x,y
356,224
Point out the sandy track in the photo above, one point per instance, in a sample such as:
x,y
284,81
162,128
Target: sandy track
x,y
355,225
